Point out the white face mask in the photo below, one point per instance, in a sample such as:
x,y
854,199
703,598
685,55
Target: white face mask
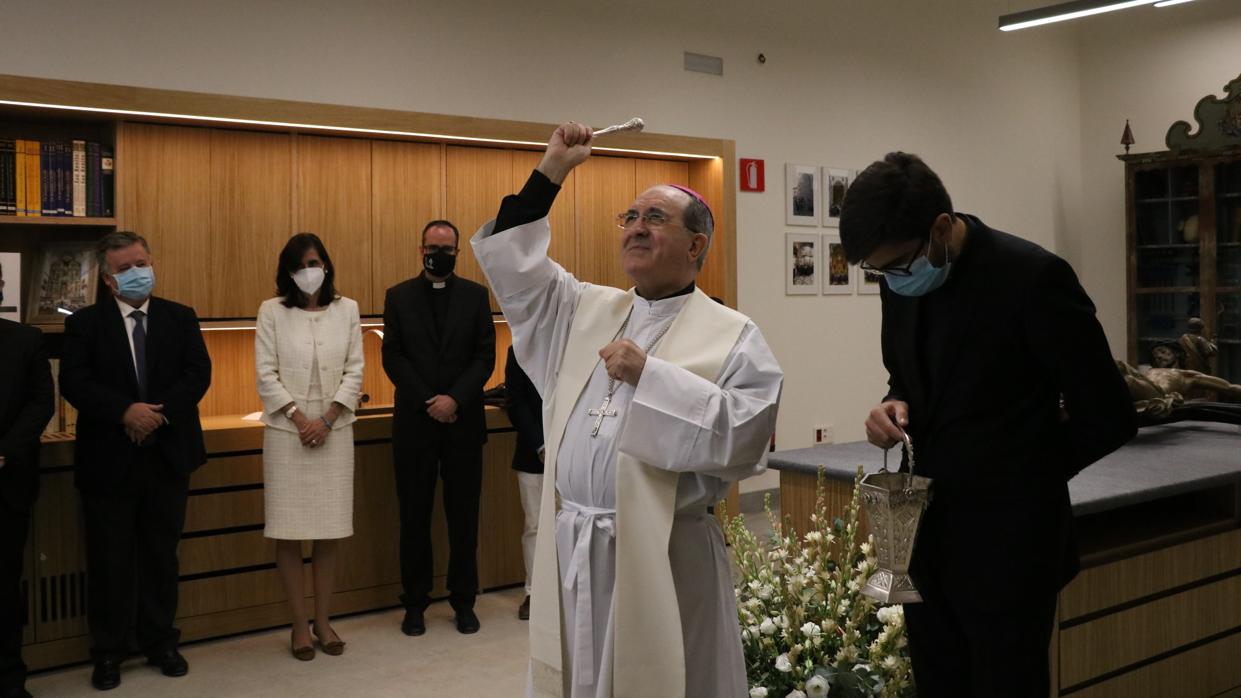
x,y
309,279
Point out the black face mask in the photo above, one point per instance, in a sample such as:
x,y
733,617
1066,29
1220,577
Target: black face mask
x,y
439,264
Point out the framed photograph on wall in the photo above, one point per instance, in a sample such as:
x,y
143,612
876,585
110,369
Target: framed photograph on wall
x,y
835,183
66,277
802,264
11,286
838,273
868,282
801,194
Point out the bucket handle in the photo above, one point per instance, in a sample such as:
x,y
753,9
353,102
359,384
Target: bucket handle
x,y
907,444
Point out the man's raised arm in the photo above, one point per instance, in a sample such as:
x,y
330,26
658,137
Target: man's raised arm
x,y
537,295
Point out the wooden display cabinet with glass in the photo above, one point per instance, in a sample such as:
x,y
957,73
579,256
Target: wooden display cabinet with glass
x,y
1184,239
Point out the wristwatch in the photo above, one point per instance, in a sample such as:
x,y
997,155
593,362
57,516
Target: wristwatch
x,y
291,411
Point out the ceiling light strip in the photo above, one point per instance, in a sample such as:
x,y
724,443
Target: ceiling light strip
x,y
322,127
1064,12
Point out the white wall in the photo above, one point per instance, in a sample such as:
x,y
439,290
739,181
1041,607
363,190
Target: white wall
x,y
997,115
1151,67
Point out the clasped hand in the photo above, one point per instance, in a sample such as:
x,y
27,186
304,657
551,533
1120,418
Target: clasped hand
x,y
624,360
443,409
141,419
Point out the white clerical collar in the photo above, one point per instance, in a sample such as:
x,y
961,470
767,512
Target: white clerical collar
x,y
663,307
127,309
438,284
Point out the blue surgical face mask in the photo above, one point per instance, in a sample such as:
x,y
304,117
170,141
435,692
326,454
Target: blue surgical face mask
x,y
135,283
923,277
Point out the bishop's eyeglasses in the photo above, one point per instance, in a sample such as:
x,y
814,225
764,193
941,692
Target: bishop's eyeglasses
x,y
652,219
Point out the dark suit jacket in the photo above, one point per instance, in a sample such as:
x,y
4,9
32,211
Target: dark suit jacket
x,y
26,405
1021,334
525,411
423,363
97,377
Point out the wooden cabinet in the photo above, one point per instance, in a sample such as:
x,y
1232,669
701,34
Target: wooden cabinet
x,y
333,195
1184,238
167,199
218,205
407,191
605,186
251,218
476,179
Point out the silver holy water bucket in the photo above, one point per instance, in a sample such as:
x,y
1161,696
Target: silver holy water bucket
x,y
895,503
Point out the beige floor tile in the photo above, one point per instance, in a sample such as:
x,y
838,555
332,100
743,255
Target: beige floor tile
x,y
379,661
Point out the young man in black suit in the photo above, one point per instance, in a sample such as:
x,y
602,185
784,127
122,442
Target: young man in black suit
x,y
439,349
525,411
1001,375
135,367
26,405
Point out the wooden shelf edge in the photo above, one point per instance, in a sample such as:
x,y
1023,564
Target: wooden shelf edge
x,y
62,221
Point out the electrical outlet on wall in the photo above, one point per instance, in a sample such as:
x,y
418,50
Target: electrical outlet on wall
x,y
824,434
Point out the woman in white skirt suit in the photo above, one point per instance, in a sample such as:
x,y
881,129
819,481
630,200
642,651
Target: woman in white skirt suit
x,y
308,357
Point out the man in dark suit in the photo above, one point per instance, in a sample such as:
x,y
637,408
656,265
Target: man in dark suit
x,y
525,411
439,349
135,367
1002,377
26,405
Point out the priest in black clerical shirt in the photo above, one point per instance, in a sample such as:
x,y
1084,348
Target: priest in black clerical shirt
x,y
438,350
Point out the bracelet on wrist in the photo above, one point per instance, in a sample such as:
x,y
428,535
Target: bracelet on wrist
x,y
326,422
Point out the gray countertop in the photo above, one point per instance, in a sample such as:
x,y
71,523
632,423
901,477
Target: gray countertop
x,y
1160,462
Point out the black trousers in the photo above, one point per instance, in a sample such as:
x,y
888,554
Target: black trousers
x,y
14,527
959,648
132,533
461,470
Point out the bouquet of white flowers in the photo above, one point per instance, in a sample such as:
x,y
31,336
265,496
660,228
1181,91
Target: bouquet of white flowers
x,y
806,628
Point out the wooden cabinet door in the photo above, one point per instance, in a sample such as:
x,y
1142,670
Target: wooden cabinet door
x,y
477,180
251,217
334,202
706,177
563,248
648,173
59,573
605,186
167,199
407,191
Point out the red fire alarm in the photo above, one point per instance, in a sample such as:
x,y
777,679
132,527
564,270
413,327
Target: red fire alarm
x,y
751,175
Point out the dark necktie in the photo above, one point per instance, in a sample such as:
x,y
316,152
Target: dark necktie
x,y
140,352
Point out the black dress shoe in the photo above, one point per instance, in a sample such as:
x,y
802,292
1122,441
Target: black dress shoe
x,y
414,624
467,622
170,663
107,674
19,692
523,612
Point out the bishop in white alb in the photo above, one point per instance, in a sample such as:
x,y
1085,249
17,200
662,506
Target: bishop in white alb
x,y
698,419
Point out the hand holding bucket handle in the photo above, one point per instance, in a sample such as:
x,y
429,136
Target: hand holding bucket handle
x,y
908,445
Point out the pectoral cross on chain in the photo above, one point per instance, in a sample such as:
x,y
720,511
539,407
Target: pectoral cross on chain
x,y
603,410
600,413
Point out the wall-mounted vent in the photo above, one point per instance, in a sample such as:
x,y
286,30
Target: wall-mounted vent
x,y
699,63
62,597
